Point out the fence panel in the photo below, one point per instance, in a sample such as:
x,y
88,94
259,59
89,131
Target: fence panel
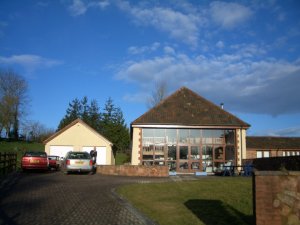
x,y
8,162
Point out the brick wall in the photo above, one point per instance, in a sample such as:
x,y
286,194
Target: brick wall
x,y
277,197
129,170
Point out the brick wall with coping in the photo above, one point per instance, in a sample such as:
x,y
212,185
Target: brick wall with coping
x,y
129,170
277,197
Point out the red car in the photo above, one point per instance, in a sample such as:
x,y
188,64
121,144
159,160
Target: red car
x,y
35,161
54,162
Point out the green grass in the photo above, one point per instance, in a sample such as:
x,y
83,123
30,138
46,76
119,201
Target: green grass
x,y
210,201
20,147
122,158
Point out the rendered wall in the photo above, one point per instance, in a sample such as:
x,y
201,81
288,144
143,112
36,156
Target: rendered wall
x,y
241,145
136,146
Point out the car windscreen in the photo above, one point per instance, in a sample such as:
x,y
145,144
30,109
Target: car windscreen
x,y
36,154
79,155
53,157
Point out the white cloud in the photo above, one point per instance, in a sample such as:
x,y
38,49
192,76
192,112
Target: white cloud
x,y
169,51
220,44
180,26
134,50
286,132
246,84
79,7
229,15
29,62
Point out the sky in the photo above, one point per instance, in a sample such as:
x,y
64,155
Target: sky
x,y
245,54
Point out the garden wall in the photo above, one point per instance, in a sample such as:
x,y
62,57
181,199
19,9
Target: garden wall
x,y
129,170
277,197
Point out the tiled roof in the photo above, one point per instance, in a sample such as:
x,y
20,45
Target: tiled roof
x,y
273,142
186,108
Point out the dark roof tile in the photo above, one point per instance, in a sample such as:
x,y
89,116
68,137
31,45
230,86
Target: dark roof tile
x,y
273,142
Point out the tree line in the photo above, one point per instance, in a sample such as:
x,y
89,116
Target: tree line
x,y
14,101
109,122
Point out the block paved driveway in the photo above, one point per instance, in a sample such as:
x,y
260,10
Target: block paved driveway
x,y
55,198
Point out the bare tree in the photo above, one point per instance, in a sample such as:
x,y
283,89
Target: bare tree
x,y
158,94
35,131
13,102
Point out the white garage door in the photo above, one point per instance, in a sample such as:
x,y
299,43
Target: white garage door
x,y
60,151
101,154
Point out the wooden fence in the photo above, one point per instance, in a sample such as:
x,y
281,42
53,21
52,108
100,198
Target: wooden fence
x,y
8,162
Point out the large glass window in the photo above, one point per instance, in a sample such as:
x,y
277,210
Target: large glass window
x,y
207,137
195,152
229,153
195,136
189,149
219,153
159,136
183,152
171,136
159,152
172,152
183,135
229,137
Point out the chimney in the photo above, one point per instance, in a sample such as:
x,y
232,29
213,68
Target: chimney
x,y
222,105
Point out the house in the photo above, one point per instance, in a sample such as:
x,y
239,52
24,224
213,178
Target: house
x,y
79,136
188,134
264,147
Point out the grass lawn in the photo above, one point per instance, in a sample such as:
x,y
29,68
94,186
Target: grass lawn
x,y
122,158
210,201
20,147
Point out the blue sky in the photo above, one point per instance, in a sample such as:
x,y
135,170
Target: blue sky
x,y
242,53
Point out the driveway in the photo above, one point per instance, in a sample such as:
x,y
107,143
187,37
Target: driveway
x,y
55,198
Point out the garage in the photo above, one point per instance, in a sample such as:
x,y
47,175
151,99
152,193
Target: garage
x,y
79,136
101,153
60,151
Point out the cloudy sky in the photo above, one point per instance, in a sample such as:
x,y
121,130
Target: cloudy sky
x,y
245,54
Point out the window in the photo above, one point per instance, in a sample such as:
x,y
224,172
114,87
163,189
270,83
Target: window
x,y
192,149
195,153
262,154
172,152
219,153
183,135
259,154
266,154
183,153
195,136
229,137
229,153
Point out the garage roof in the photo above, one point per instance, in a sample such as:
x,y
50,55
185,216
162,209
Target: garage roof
x,y
72,124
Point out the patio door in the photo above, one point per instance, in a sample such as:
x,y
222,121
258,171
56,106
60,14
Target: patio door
x,y
189,159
